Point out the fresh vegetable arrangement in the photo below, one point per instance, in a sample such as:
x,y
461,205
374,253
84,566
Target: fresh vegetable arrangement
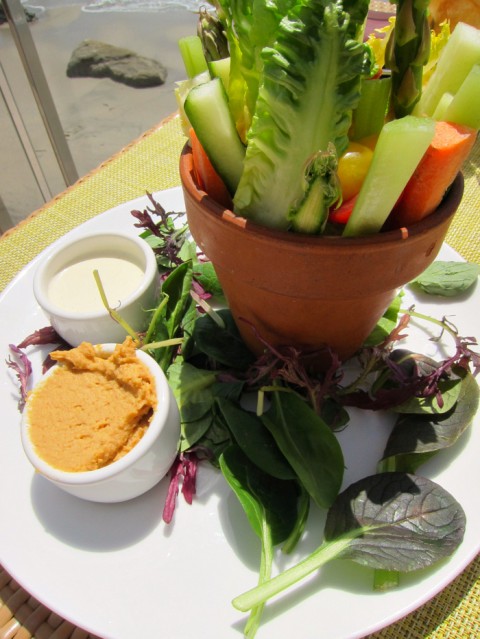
x,y
296,123
268,424
291,102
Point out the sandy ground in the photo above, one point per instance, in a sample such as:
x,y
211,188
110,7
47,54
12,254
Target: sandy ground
x,y
99,116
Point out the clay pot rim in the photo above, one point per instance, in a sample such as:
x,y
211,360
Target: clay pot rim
x,y
445,210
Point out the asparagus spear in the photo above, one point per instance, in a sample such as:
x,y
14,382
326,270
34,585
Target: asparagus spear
x,y
212,35
407,52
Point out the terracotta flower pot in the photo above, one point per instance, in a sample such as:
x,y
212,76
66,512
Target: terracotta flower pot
x,y
304,290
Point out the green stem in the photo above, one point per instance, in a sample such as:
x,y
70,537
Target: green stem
x,y
175,341
113,314
156,314
369,366
441,323
266,561
261,593
208,309
303,510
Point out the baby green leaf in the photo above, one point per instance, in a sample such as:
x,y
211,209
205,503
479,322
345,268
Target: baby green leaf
x,y
255,440
308,444
224,345
450,390
176,307
193,392
447,278
265,500
204,273
271,508
416,436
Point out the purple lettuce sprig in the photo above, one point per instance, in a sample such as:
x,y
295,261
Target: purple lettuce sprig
x,y
169,239
20,363
298,368
184,471
409,374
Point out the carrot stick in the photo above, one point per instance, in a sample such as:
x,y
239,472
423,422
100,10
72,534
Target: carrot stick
x,y
450,147
208,179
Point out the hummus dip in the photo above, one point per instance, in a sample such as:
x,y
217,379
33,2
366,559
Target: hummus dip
x,y
93,408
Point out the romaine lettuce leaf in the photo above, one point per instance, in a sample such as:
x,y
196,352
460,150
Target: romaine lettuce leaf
x,y
250,25
312,76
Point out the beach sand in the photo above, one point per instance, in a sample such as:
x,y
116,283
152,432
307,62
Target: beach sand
x,y
99,116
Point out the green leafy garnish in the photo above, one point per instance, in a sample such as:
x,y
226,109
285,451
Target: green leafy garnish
x,y
447,279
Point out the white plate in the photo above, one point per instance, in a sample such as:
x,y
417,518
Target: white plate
x,y
119,572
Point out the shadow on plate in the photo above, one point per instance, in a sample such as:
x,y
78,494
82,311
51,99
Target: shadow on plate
x,y
94,526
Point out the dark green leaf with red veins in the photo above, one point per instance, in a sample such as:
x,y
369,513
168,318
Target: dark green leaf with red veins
x,y
398,522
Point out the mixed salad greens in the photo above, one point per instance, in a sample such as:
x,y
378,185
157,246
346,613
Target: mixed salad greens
x,y
268,424
291,84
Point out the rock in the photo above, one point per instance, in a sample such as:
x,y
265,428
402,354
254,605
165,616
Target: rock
x,y
29,15
100,60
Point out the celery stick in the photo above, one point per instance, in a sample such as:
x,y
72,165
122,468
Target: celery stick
x,y
464,108
220,69
192,54
459,55
369,116
441,109
400,147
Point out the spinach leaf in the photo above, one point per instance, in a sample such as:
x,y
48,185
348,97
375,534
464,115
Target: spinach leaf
x,y
271,508
255,440
447,278
222,344
390,521
308,444
193,390
176,311
204,273
416,438
268,502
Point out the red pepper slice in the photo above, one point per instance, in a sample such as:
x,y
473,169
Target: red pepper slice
x,y
341,215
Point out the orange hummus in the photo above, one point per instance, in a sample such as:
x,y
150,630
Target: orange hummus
x,y
93,409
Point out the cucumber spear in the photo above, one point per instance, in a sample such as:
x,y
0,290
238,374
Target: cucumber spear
x,y
407,52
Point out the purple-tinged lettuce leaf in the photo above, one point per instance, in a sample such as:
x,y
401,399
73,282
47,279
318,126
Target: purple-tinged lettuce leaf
x,y
22,367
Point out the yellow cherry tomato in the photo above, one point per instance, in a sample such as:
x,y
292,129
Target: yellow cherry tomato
x,y
353,167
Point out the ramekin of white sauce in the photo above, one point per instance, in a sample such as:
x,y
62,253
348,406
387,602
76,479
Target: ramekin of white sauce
x,y
65,287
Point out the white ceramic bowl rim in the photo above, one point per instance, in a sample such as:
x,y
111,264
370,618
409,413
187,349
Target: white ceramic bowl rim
x,y
151,269
156,425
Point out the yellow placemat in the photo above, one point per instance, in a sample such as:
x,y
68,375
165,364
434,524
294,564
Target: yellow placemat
x,y
151,164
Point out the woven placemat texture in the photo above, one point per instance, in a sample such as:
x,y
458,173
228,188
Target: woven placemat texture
x,y
151,164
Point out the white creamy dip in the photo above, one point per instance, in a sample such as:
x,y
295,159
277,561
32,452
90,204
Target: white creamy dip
x,y
74,288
